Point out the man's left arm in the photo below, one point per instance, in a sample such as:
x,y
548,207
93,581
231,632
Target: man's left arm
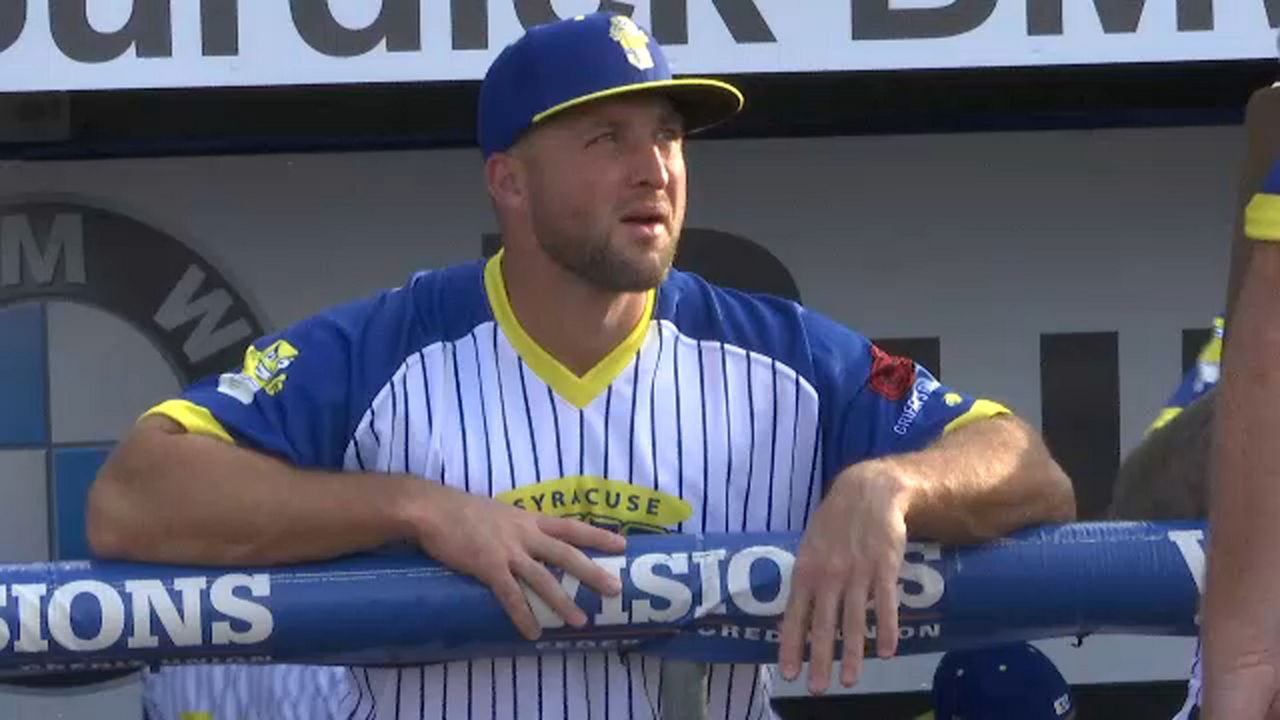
x,y
911,457
977,483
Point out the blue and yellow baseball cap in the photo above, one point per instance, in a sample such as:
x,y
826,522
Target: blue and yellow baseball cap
x,y
1003,682
564,64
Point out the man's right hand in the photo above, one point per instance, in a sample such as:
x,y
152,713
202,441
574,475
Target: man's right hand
x,y
502,546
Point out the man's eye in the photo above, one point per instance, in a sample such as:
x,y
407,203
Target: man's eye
x,y
607,137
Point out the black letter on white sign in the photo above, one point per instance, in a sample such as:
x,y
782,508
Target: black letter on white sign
x,y
540,12
875,20
148,30
398,23
13,18
742,17
470,20
1044,17
219,27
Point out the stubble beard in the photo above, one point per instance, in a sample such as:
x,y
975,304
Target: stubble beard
x,y
594,261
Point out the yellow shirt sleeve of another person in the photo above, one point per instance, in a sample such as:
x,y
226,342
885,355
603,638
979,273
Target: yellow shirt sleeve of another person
x,y
1262,214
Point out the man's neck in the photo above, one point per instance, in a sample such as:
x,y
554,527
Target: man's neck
x,y
575,322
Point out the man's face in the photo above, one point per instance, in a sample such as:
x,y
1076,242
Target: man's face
x,y
606,190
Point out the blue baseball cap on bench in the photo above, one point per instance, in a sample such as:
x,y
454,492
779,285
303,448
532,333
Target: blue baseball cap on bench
x,y
1004,682
564,64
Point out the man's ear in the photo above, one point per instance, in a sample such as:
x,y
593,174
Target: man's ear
x,y
505,178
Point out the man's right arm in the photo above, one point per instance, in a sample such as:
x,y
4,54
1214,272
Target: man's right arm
x,y
247,467
169,496
250,468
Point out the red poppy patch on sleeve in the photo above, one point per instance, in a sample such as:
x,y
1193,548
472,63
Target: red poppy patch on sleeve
x,y
891,376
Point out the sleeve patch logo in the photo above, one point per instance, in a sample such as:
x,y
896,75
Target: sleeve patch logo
x,y
924,389
263,370
891,376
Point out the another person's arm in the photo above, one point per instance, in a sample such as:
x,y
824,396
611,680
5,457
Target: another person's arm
x,y
1241,624
1166,477
1241,606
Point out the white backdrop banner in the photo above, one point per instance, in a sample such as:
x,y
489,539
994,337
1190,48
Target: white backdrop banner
x,y
105,44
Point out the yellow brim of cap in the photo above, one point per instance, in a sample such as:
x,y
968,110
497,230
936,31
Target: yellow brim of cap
x,y
704,102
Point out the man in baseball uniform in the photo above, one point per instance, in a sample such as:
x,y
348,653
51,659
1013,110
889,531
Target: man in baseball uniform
x,y
506,414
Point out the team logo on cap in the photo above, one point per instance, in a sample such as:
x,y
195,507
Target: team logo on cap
x,y
633,40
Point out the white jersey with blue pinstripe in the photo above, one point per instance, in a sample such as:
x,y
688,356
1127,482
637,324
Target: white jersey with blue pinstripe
x,y
720,412
246,692
1190,709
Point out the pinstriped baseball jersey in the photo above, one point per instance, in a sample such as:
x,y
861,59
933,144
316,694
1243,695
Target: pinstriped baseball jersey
x,y
721,411
1190,709
246,692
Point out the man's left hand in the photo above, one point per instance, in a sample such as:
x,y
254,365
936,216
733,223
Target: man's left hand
x,y
850,555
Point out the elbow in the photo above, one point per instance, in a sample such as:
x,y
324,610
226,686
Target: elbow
x,y
106,542
108,527
120,519
1048,494
126,496
1060,497
1052,502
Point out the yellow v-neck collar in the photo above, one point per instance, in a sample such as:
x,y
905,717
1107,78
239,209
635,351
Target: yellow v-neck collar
x,y
579,391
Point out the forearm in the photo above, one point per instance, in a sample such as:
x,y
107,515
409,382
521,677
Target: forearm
x,y
172,497
1243,588
984,481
